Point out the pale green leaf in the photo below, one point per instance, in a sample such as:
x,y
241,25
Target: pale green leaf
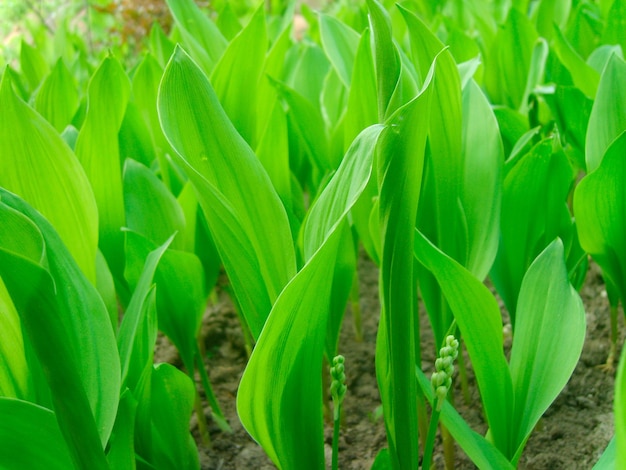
x,y
259,257
36,164
98,150
549,336
608,115
31,437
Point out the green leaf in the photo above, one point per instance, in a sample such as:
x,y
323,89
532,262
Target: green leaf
x,y
361,112
34,66
122,443
31,437
534,212
15,378
584,76
36,164
138,329
283,412
508,63
98,150
160,46
57,99
599,206
482,333
616,25
258,257
200,35
482,180
135,139
74,340
549,336
400,166
620,412
386,57
236,81
340,44
608,115
150,207
482,452
171,401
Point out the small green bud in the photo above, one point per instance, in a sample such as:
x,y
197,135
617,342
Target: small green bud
x,y
441,379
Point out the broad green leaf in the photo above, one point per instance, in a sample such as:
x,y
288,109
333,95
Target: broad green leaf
x,y
512,126
98,150
160,46
482,333
106,288
445,159
534,212
31,437
145,83
227,22
36,164
362,112
274,67
122,443
258,257
482,452
536,72
306,69
74,340
201,37
134,137
14,370
386,57
616,25
57,98
549,336
584,76
273,152
508,63
34,66
598,59
138,329
307,125
599,207
482,180
340,43
571,110
150,207
585,28
172,398
551,15
283,412
608,115
236,81
399,168
181,298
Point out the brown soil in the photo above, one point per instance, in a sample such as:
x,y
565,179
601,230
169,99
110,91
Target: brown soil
x,y
572,434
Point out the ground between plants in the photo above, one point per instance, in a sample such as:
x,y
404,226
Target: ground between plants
x,y
571,435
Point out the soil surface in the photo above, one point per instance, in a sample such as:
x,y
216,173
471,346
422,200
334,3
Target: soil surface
x,y
572,434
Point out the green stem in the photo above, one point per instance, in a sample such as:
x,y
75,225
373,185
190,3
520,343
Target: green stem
x,y
336,422
430,439
356,308
208,390
202,424
463,375
448,448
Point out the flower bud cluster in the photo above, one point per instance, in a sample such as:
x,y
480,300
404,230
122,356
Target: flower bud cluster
x,y
338,386
441,379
